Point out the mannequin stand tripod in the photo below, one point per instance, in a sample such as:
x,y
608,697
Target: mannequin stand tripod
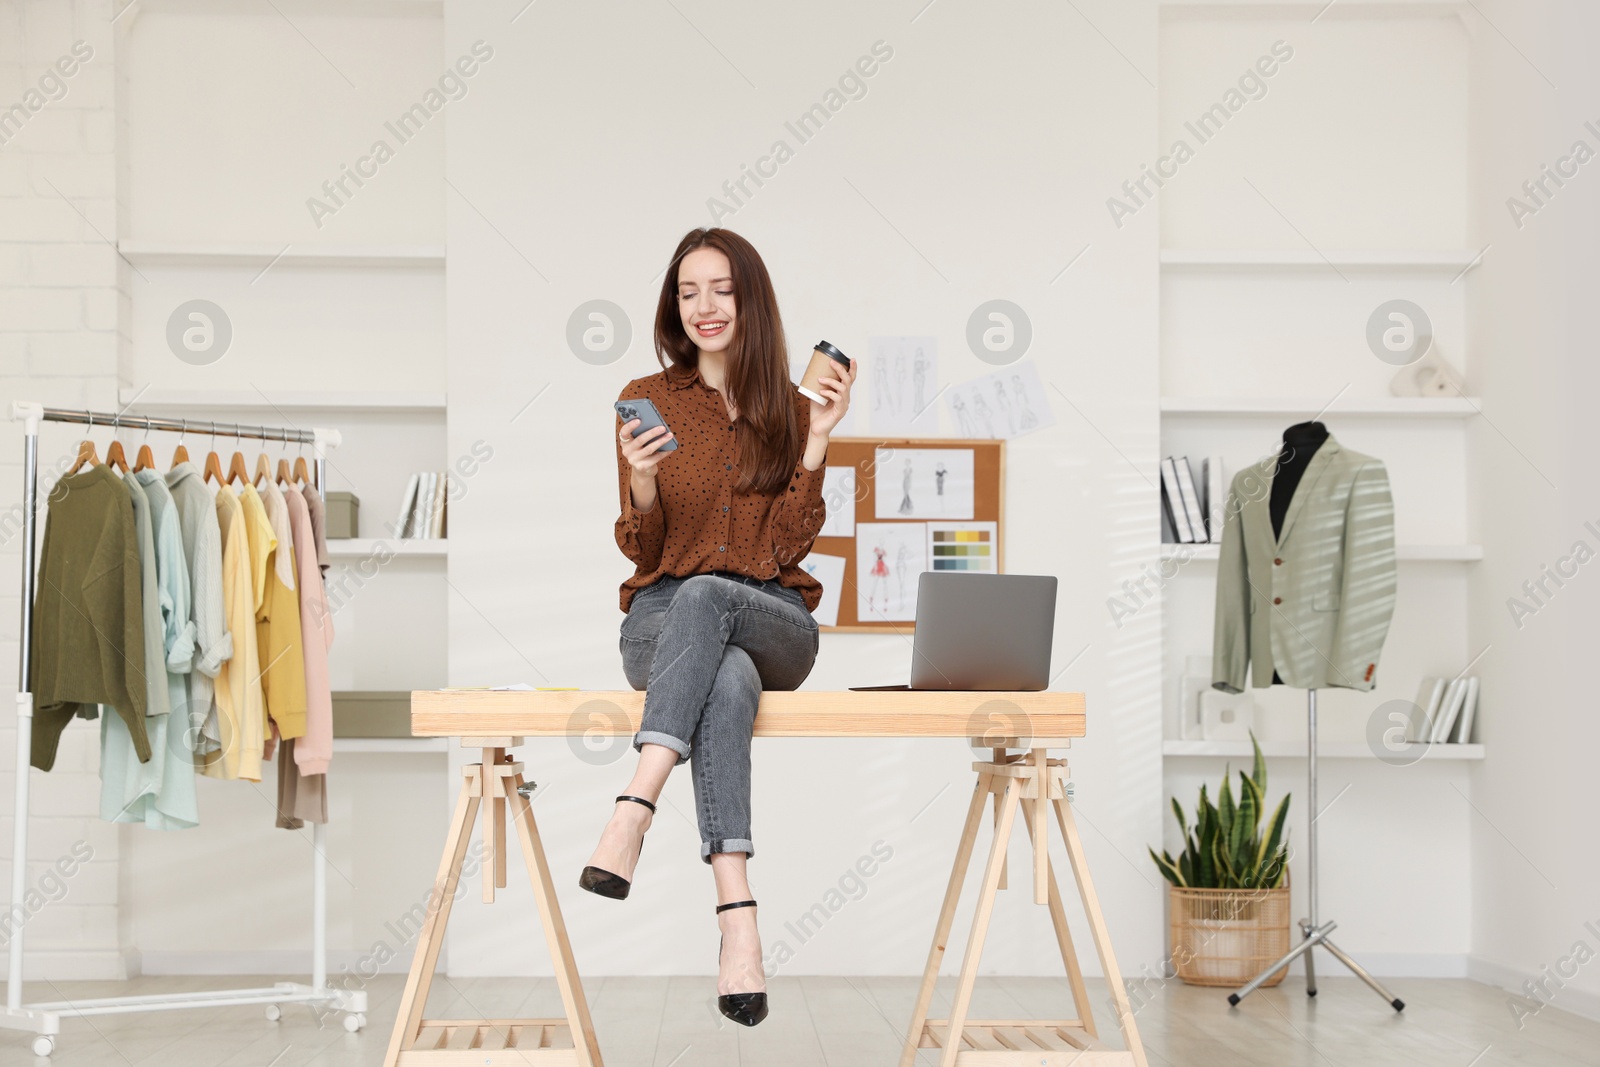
x,y
1314,934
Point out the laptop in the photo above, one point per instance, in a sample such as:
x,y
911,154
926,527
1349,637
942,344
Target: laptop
x,y
981,632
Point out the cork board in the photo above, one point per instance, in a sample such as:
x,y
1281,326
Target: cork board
x,y
952,547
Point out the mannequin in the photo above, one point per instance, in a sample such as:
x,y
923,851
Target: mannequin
x,y
1300,443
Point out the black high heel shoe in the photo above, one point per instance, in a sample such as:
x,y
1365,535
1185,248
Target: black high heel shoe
x,y
746,1008
606,883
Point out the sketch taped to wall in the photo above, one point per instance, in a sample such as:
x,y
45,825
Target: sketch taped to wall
x,y
1003,405
903,385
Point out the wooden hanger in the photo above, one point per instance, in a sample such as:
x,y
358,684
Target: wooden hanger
x,y
115,457
147,458
263,468
86,452
301,473
236,467
181,454
213,469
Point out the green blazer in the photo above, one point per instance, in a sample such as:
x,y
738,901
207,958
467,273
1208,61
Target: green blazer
x,y
1314,603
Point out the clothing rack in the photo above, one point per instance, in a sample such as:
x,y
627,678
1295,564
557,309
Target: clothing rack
x,y
44,1019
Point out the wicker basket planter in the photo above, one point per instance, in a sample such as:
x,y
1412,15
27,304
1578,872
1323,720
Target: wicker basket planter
x,y
1224,937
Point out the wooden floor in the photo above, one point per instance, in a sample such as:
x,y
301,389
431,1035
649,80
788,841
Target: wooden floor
x,y
844,1022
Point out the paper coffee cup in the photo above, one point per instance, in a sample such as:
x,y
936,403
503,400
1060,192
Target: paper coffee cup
x,y
823,360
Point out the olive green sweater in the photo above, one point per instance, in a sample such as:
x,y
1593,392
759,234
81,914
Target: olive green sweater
x,y
88,630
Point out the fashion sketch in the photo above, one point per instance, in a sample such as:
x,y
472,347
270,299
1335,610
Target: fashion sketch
x,y
981,410
933,483
904,376
890,557
1029,420
1003,404
878,581
919,382
963,423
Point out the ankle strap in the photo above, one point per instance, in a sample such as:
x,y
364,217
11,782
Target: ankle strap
x,y
640,800
737,904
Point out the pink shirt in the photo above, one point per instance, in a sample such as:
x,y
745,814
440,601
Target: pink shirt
x,y
312,752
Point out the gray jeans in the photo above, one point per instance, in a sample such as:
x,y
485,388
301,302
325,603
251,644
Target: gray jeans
x,y
703,648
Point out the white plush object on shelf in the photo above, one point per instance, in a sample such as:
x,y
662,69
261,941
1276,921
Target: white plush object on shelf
x,y
1226,716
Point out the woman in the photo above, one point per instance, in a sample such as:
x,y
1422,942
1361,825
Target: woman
x,y
718,608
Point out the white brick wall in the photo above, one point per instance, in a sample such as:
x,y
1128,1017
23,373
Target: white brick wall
x,y
60,319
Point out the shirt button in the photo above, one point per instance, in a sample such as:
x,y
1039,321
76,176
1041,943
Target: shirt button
x,y
727,466
1277,563
722,548
724,507
1277,600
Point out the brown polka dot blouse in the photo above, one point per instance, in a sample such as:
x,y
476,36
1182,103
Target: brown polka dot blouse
x,y
699,523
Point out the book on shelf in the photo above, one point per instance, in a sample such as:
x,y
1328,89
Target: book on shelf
x,y
1454,694
1216,496
1191,500
408,500
1172,497
1469,708
1429,694
422,507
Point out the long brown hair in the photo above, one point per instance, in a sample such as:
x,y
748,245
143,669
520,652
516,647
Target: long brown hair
x,y
767,431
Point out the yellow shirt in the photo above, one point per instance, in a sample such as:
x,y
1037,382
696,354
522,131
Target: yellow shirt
x,y
240,719
283,665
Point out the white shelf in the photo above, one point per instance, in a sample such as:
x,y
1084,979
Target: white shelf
x,y
155,253
1403,553
1453,260
1297,749
304,400
409,745
344,547
1305,407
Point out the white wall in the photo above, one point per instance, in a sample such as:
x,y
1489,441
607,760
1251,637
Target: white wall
x,y
989,142
59,286
1534,865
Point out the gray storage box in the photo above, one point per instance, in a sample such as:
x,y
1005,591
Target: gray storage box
x,y
343,513
372,713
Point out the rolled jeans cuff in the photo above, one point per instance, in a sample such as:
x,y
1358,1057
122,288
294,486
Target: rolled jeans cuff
x,y
655,737
727,844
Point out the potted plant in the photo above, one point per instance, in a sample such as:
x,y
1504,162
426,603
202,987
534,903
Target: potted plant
x,y
1229,897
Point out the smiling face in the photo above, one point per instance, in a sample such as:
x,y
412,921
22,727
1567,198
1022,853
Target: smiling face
x,y
705,298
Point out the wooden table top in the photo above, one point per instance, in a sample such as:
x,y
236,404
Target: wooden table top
x,y
559,713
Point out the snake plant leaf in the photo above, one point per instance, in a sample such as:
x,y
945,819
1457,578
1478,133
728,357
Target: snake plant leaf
x,y
1168,868
1268,850
1240,846
1260,769
1177,811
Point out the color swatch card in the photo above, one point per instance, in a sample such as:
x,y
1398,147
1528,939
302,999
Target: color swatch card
x,y
922,483
829,570
890,559
968,547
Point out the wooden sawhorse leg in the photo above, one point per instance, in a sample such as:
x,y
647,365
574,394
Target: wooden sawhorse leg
x,y
494,785
1024,782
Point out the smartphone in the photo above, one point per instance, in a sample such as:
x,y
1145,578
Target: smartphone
x,y
643,410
